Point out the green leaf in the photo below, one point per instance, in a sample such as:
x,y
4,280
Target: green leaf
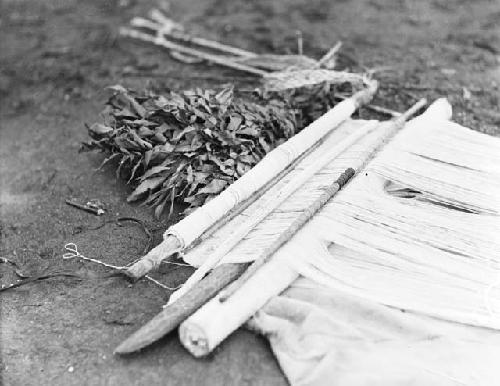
x,y
225,96
134,170
155,170
145,187
145,132
249,130
117,88
99,129
234,123
183,132
215,186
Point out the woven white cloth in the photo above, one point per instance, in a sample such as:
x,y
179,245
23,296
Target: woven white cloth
x,y
422,217
401,280
416,230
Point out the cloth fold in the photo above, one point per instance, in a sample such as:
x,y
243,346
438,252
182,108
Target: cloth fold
x,y
323,336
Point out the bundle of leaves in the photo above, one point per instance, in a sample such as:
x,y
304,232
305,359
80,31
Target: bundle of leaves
x,y
189,146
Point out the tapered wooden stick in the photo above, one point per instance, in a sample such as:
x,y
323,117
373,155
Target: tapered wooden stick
x,y
330,55
174,314
153,258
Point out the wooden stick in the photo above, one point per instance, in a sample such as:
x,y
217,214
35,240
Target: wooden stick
x,y
153,258
330,54
331,191
159,28
300,42
174,314
159,17
371,106
382,110
161,41
86,208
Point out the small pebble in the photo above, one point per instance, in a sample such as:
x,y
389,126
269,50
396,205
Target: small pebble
x,y
71,369
448,71
466,93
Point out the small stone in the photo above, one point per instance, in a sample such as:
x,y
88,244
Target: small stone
x,y
448,71
466,93
71,369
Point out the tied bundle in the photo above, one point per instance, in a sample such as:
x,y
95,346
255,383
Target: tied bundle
x,y
187,147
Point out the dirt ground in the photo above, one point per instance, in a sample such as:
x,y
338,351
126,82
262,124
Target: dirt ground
x,y
56,57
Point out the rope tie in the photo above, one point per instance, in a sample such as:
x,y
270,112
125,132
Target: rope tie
x,y
72,252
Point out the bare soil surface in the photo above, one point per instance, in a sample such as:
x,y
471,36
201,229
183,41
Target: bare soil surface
x,y
56,57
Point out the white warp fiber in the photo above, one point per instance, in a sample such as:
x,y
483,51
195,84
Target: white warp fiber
x,y
436,252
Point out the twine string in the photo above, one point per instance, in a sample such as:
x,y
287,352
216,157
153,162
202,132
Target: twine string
x,y
72,252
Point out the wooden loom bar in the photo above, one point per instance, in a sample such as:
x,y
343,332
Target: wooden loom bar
x,y
174,314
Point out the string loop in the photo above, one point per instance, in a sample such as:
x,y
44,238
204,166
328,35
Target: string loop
x,y
72,252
